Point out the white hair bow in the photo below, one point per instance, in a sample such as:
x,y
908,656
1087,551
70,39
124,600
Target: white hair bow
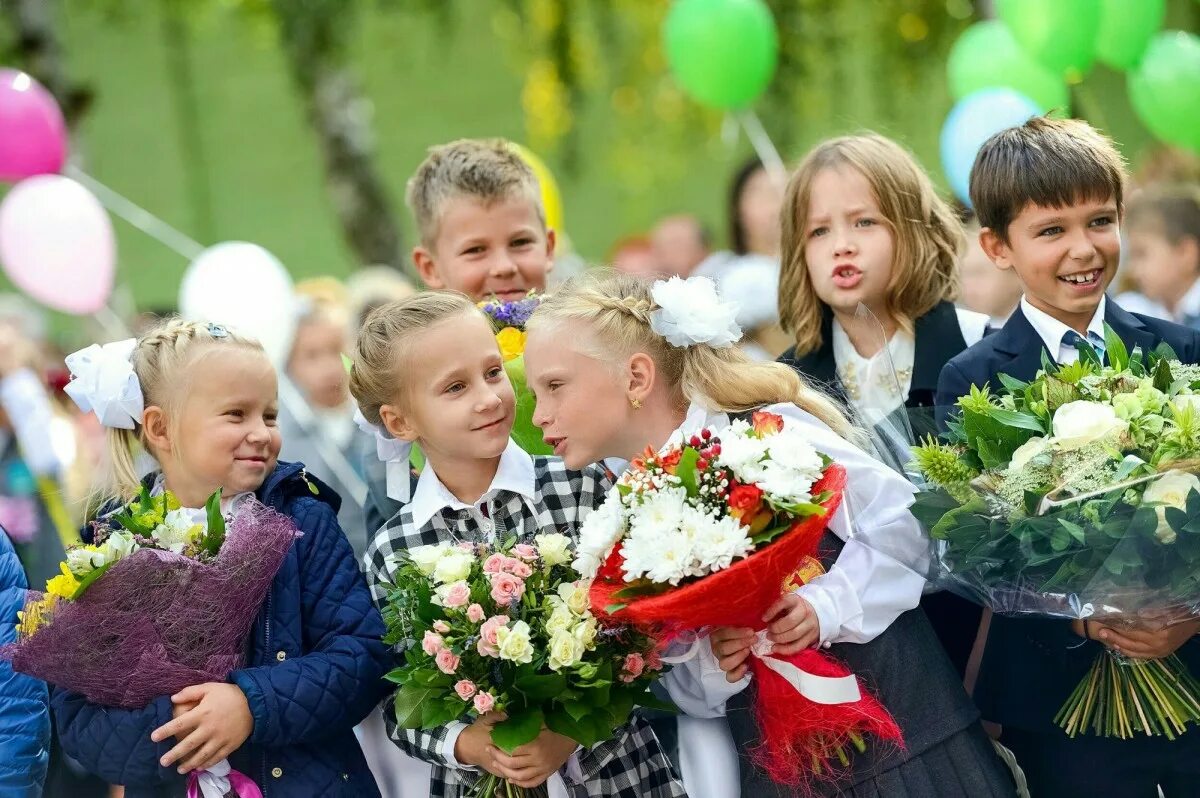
x,y
103,382
394,453
690,312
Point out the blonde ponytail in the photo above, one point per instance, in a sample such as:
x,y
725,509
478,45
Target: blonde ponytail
x,y
618,308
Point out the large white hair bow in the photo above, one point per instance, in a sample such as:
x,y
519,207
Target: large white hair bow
x,y
394,453
690,312
103,382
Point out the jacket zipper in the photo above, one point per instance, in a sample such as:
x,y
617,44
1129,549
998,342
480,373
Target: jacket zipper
x,y
266,647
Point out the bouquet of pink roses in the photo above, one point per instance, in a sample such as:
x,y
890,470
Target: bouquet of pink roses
x,y
509,629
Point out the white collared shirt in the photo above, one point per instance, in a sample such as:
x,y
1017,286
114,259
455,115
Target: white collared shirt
x,y
514,473
879,574
1051,330
1188,306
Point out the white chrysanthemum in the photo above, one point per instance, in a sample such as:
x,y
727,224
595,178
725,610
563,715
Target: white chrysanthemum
x,y
785,484
598,533
720,542
659,510
740,451
664,558
790,450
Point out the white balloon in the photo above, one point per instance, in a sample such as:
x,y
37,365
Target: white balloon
x,y
246,288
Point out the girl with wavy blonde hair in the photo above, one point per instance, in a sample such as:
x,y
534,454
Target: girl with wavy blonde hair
x,y
617,364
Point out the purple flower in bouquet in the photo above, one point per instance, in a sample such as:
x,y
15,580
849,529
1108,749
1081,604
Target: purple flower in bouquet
x,y
511,314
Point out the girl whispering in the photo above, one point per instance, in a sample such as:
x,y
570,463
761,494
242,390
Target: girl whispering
x,y
428,371
201,401
617,365
863,228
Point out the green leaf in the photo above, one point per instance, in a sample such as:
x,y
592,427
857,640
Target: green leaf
x,y
1012,384
397,675
559,721
613,609
649,700
1114,348
642,588
540,686
1019,420
520,728
408,702
87,580
686,471
767,535
214,534
577,709
1162,376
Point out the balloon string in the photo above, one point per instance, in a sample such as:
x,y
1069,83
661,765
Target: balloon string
x,y
763,146
138,216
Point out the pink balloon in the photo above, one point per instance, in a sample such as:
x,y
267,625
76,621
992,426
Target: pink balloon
x,y
33,136
57,245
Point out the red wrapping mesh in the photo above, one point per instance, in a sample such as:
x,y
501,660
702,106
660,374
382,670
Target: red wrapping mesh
x,y
158,622
798,735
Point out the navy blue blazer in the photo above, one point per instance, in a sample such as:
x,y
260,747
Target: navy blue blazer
x,y
1030,665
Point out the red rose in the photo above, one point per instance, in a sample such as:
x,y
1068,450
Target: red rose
x,y
744,500
765,423
671,460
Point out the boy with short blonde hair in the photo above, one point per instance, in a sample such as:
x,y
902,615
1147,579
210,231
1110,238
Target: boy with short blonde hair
x,y
1050,198
479,215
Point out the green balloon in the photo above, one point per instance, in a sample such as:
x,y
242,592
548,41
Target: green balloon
x,y
1126,29
1060,34
1165,88
722,52
986,56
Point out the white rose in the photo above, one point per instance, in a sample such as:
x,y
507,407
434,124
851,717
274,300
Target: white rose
x,y
426,557
1170,490
565,650
1028,450
454,565
513,643
560,620
554,548
575,595
585,632
1076,424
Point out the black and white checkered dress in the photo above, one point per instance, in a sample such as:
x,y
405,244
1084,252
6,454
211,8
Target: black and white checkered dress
x,y
631,764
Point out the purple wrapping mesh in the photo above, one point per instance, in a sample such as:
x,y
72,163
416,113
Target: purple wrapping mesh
x,y
157,622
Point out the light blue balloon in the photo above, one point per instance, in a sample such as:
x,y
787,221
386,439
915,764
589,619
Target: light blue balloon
x,y
972,122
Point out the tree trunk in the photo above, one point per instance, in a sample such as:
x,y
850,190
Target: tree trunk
x,y
309,32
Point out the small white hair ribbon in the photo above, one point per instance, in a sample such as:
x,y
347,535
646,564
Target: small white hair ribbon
x,y
104,382
691,312
394,453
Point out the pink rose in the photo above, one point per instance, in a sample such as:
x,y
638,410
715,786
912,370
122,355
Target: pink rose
x,y
634,665
517,568
487,632
625,677
484,702
494,564
446,661
525,552
459,595
486,649
465,689
653,661
432,643
507,588
475,613
441,627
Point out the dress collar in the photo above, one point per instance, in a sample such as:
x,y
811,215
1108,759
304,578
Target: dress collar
x,y
514,474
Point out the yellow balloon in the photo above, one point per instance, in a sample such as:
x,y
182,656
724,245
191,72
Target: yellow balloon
x,y
551,198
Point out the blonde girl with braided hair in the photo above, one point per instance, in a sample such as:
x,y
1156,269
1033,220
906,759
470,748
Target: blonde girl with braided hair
x,y
617,363
200,401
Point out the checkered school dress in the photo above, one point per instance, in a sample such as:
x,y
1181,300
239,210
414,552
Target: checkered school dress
x,y
631,764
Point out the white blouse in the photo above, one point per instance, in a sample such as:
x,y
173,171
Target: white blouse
x,y
878,575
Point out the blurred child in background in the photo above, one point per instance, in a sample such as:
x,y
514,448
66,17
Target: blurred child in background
x,y
1162,226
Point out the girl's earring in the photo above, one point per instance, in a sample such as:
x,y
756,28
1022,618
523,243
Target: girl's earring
x,y
636,404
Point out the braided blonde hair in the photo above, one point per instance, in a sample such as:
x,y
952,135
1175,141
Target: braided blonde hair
x,y
377,371
160,360
618,308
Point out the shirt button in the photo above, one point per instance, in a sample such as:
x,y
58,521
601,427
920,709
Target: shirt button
x,y
345,777
281,655
277,772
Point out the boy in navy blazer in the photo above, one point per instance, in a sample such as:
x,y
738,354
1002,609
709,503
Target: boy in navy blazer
x,y
1049,195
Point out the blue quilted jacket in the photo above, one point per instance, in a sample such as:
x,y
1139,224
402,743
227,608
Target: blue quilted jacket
x,y
313,672
24,714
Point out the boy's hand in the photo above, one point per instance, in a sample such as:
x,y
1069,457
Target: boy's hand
x,y
1142,642
215,726
731,646
531,764
794,626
